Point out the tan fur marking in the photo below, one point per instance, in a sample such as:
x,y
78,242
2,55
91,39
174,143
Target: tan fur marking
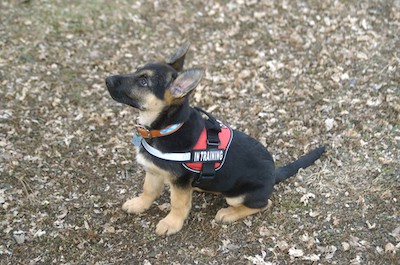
x,y
153,106
200,190
171,100
235,201
152,188
168,97
234,213
149,73
181,202
153,169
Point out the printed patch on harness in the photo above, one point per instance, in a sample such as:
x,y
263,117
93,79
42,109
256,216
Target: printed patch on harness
x,y
212,155
201,155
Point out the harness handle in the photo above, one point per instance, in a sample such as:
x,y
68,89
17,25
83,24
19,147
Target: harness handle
x,y
213,128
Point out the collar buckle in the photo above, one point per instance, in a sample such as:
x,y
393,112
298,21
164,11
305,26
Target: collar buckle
x,y
143,131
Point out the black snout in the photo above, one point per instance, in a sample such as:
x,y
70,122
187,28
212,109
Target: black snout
x,y
110,82
113,85
121,91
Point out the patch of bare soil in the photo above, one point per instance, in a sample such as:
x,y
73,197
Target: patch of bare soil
x,y
293,74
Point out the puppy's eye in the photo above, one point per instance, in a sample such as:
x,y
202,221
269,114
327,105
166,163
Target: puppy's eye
x,y
143,81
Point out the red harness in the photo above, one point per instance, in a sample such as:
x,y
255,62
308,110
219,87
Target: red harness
x,y
207,156
225,137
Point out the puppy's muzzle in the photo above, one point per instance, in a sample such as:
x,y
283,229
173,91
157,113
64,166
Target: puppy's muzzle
x,y
112,82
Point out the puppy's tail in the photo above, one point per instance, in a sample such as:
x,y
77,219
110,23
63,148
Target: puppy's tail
x,y
307,160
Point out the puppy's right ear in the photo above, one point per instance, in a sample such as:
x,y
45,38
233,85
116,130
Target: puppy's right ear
x,y
178,58
186,82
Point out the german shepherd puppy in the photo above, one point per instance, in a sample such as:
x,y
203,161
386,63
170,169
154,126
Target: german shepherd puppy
x,y
160,91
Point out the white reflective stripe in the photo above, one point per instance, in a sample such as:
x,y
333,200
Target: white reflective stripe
x,y
179,157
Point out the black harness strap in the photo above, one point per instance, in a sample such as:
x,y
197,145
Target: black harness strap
x,y
213,128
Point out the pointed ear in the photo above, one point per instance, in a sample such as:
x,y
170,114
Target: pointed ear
x,y
178,58
186,82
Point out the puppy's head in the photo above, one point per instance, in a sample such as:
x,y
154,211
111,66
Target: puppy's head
x,y
156,86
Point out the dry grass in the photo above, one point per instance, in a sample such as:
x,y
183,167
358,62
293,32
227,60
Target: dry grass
x,y
293,74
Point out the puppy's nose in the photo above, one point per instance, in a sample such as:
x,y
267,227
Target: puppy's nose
x,y
110,82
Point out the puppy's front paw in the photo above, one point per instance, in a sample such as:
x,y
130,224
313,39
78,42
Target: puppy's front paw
x,y
169,225
136,205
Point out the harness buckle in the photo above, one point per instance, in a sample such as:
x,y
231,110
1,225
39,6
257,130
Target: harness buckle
x,y
213,143
143,131
204,177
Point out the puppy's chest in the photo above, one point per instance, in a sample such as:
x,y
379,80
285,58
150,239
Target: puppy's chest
x,y
150,167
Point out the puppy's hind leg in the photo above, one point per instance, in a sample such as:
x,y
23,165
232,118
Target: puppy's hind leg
x,y
237,210
152,188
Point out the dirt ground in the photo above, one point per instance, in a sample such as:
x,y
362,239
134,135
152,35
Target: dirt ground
x,y
293,74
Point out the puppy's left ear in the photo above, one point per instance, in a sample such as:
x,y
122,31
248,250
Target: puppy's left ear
x,y
178,58
186,82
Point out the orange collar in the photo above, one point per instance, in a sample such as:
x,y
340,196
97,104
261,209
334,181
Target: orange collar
x,y
146,133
